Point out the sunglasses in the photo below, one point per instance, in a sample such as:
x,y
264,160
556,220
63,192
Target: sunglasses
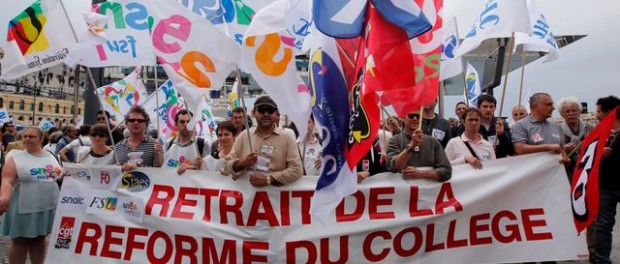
x,y
101,135
131,120
101,119
268,110
183,121
412,116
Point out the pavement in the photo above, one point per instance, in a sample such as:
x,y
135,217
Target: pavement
x,y
615,252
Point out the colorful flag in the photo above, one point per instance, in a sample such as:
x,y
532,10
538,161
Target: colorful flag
x,y
331,113
542,38
472,83
45,125
232,101
163,114
4,117
127,37
450,65
38,38
427,53
118,97
195,55
498,19
206,124
585,185
269,55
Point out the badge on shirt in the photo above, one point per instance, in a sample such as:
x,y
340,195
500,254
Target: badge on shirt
x,y
438,134
537,138
365,165
263,161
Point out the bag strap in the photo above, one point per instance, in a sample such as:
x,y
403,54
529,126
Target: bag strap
x,y
201,145
171,142
80,140
470,149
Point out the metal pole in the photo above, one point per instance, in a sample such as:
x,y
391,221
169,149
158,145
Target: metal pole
x,y
76,94
34,104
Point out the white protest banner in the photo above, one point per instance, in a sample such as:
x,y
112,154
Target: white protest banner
x,y
497,214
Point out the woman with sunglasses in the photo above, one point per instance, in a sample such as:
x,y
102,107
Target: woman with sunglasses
x,y
28,196
98,153
226,134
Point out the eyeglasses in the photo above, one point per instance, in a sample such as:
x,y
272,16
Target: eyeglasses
x,y
131,120
268,110
412,116
101,135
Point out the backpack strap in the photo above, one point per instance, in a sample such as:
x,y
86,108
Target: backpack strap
x,y
470,149
170,144
201,145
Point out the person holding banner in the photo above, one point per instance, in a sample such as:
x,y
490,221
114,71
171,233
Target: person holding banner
x,y
147,150
609,182
267,148
98,153
226,134
418,156
536,133
28,196
470,147
573,128
185,151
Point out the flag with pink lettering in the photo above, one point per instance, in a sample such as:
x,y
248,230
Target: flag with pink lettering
x,y
118,97
269,55
127,37
162,107
194,53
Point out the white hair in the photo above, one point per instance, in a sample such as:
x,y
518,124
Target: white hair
x,y
567,101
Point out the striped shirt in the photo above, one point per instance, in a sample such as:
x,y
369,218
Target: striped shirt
x,y
147,147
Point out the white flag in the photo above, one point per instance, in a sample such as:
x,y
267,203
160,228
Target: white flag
x,y
118,97
206,124
162,115
472,82
450,65
195,54
498,19
127,38
39,37
541,38
4,116
269,55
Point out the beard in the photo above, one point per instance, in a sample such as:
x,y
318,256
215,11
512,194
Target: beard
x,y
185,133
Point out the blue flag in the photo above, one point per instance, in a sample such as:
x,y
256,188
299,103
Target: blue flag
x,y
408,16
340,18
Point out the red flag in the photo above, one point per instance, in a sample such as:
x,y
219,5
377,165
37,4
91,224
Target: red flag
x,y
427,53
585,185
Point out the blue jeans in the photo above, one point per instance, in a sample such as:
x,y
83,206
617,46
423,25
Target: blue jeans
x,y
605,223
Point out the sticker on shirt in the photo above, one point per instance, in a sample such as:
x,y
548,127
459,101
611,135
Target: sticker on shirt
x,y
267,150
491,140
537,138
262,163
438,134
484,155
365,165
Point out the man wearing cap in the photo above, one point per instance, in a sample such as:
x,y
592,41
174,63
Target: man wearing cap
x,y
411,151
272,158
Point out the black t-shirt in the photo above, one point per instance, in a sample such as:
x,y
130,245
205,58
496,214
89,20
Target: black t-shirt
x,y
609,172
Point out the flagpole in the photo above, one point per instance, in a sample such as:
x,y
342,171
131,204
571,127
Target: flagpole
x,y
383,150
522,74
157,99
92,81
242,100
501,105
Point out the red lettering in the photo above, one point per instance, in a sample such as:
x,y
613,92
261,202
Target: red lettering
x,y
513,229
430,237
208,194
83,238
474,228
529,224
451,241
367,246
181,251
417,242
228,251
183,201
449,201
150,254
413,203
374,202
109,240
305,197
164,202
132,243
261,200
342,216
285,209
234,208
291,251
344,250
248,246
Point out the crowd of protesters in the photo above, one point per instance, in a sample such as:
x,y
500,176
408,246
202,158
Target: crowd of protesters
x,y
420,145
